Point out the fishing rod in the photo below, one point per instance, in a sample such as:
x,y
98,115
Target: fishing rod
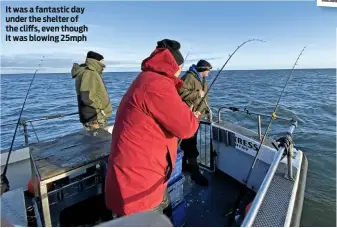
x,y
4,181
230,56
245,188
209,88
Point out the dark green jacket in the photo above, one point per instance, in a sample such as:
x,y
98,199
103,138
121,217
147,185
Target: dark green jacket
x,y
92,95
190,92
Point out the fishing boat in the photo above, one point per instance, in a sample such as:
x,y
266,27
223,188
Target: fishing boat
x,y
67,194
254,180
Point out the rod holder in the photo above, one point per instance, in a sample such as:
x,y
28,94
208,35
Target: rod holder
x,y
25,132
210,115
259,126
289,174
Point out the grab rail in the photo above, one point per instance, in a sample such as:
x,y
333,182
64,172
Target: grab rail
x,y
24,122
256,204
234,109
246,111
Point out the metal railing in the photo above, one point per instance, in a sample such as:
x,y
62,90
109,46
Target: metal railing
x,y
257,202
246,111
205,145
24,123
207,155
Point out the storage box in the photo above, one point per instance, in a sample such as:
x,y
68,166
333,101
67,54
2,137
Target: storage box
x,y
176,191
177,171
178,215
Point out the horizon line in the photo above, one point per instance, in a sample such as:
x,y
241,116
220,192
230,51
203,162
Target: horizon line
x,y
186,70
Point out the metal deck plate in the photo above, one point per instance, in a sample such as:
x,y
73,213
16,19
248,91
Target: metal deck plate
x,y
273,210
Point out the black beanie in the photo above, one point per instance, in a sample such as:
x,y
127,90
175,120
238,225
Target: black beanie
x,y
173,46
94,55
203,65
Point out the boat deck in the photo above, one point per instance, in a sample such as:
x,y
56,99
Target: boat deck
x,y
205,206
210,206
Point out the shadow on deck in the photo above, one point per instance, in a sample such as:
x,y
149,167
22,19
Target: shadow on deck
x,y
210,206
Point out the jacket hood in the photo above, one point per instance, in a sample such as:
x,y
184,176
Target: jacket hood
x,y
162,62
77,69
95,65
193,68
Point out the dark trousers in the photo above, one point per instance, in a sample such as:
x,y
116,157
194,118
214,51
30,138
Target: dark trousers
x,y
189,146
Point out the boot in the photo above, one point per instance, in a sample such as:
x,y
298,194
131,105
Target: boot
x,y
195,172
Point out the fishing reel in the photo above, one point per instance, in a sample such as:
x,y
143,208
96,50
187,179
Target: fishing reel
x,y
286,142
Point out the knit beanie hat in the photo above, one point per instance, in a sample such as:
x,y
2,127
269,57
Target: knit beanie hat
x,y
94,55
173,46
203,65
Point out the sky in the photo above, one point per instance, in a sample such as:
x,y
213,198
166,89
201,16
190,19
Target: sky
x,y
127,32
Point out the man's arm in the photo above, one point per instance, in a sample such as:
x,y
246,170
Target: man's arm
x,y
188,93
170,111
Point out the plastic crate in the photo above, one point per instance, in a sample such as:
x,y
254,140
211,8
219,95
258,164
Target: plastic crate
x,y
176,191
75,187
178,215
177,171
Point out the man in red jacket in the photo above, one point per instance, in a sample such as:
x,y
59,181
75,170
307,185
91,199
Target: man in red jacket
x,y
150,119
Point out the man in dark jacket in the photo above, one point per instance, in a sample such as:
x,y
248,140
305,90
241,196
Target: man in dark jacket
x,y
93,99
193,91
150,119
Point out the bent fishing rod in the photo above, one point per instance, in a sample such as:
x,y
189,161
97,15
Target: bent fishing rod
x,y
4,180
209,88
230,56
245,188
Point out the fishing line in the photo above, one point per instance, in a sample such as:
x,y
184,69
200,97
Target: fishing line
x,y
4,181
245,188
185,60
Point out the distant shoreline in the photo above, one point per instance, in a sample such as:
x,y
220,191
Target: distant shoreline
x,y
182,71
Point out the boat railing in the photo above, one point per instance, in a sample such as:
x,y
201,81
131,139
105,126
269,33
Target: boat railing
x,y
204,145
25,122
250,113
257,202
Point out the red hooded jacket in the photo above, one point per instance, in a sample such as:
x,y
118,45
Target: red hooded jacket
x,y
150,119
